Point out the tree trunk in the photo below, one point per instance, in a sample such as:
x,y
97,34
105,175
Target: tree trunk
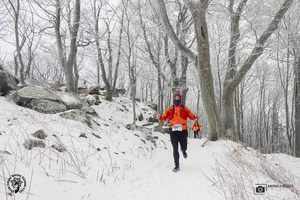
x,y
204,68
69,63
233,78
297,109
107,82
228,93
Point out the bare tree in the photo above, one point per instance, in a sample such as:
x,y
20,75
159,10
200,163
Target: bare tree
x,y
131,58
233,78
297,108
109,79
68,63
202,59
154,52
14,9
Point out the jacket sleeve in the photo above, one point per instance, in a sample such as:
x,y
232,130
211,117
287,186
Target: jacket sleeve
x,y
191,115
165,115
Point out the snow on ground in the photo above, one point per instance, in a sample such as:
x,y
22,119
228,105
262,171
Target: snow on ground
x,y
115,163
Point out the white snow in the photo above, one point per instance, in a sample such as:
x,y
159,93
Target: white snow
x,y
128,166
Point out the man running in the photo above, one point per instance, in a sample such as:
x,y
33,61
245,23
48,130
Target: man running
x,y
196,128
177,116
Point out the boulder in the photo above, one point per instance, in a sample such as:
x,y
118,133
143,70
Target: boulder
x,y
32,143
70,100
7,82
40,134
59,147
40,99
91,100
152,120
36,92
94,90
46,106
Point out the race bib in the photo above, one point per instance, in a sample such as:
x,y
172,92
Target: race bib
x,y
177,127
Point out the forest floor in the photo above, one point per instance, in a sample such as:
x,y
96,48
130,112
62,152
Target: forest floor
x,y
112,162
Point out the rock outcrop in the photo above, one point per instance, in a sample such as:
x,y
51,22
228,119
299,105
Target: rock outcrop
x,y
7,82
40,99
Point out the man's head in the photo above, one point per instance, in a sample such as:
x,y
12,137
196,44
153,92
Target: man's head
x,y
177,99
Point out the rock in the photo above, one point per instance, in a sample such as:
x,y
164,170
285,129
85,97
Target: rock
x,y
47,106
94,90
90,111
7,82
83,90
40,99
97,100
121,91
140,117
83,135
130,126
32,143
91,100
70,100
36,92
152,120
40,134
59,147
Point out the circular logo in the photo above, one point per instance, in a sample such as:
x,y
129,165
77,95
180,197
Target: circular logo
x,y
16,183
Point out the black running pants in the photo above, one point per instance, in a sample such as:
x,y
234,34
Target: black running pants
x,y
181,138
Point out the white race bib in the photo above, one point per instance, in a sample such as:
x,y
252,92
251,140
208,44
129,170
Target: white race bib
x,y
177,127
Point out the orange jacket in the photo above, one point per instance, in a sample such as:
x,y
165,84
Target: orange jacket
x,y
196,126
178,115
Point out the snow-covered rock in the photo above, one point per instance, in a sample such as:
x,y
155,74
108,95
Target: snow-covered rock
x,y
45,100
46,106
40,99
35,92
70,100
7,82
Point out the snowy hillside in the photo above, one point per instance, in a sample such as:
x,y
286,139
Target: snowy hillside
x,y
104,160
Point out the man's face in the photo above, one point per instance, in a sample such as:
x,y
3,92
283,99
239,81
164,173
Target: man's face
x,y
177,100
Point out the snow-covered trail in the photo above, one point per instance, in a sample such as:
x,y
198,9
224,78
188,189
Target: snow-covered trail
x,y
122,164
154,179
198,178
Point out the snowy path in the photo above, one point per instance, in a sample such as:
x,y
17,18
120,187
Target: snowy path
x,y
155,180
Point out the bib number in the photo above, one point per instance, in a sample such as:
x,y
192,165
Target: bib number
x,y
177,127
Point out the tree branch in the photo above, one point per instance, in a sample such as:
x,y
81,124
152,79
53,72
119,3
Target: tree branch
x,y
259,46
171,33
